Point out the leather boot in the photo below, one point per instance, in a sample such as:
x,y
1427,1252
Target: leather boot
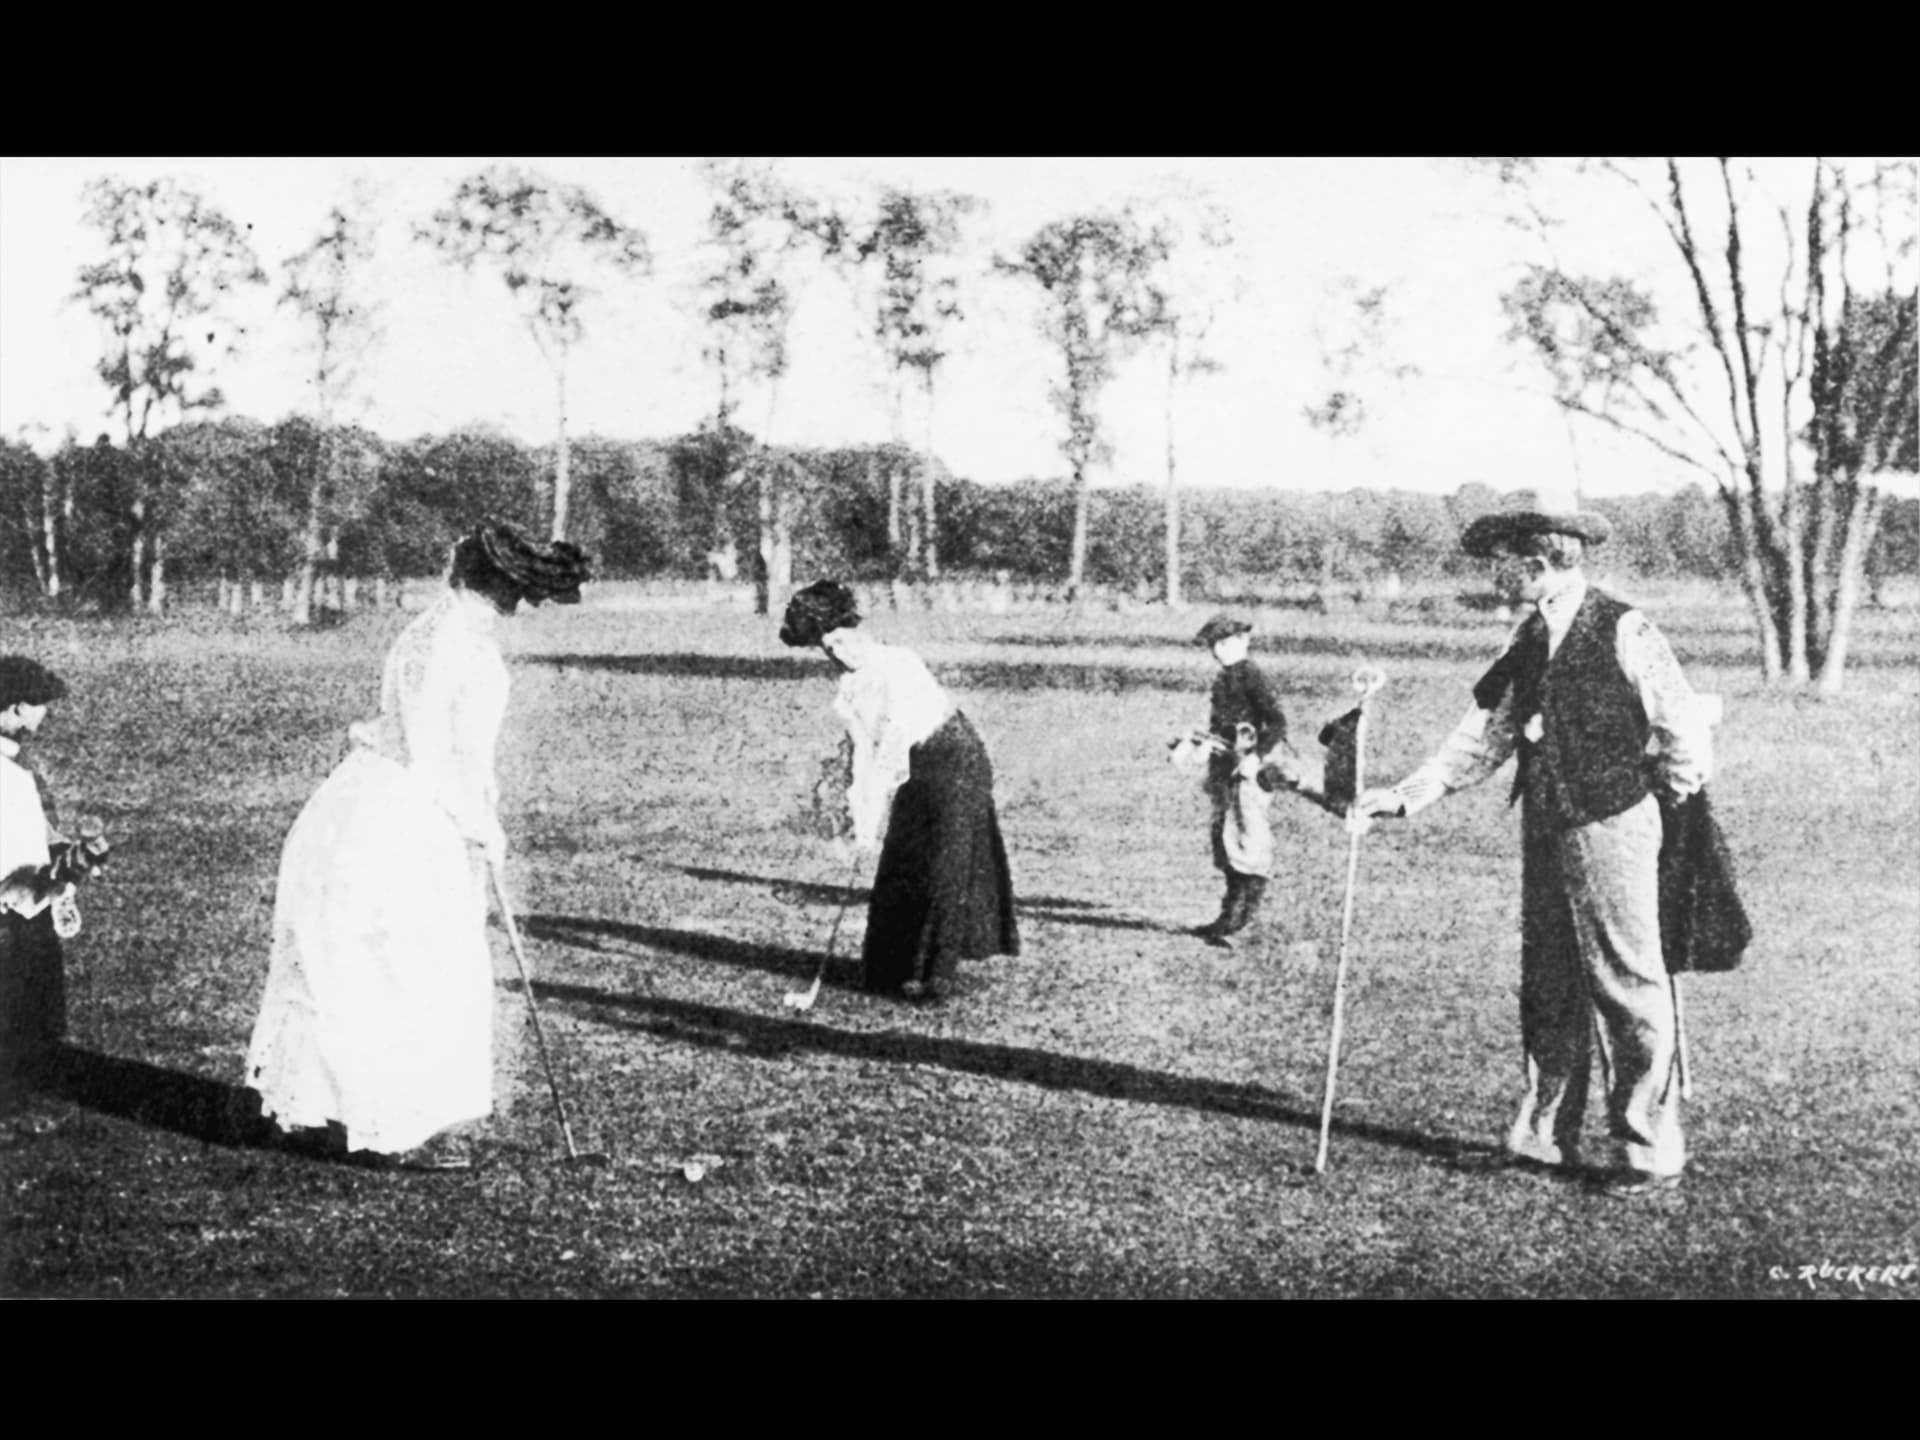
x,y
1253,889
1224,922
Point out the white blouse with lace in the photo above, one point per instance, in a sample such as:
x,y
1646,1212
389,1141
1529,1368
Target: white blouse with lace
x,y
443,696
891,703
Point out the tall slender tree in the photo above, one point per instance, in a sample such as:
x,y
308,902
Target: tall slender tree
x,y
758,228
1775,354
545,239
163,294
913,240
325,285
1092,270
1196,277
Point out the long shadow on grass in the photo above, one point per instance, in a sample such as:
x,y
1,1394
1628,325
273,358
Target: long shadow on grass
x,y
1057,909
190,1105
586,932
770,1037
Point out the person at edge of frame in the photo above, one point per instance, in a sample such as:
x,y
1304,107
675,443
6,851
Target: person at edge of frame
x,y
1246,735
374,1041
1606,728
942,889
38,866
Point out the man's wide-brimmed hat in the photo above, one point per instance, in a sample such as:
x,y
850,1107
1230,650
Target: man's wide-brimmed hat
x,y
1221,626
28,682
1493,534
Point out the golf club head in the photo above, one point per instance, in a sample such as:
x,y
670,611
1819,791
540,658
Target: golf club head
x,y
801,1000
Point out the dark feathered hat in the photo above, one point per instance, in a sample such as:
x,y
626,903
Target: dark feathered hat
x,y
824,606
28,682
1492,534
1223,625
554,570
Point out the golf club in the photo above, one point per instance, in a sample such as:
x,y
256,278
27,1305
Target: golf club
x,y
575,1156
802,1000
1366,680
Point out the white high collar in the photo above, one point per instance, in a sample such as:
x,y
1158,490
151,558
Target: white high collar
x,y
1559,608
9,747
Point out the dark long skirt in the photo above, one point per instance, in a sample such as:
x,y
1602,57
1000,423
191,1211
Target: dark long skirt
x,y
33,990
942,892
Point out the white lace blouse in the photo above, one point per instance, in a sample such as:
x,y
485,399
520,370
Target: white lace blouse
x,y
891,703
443,697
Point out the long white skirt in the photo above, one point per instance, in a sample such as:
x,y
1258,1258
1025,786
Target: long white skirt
x,y
378,1010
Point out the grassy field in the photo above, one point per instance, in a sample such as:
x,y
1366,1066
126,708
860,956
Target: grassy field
x,y
1118,1112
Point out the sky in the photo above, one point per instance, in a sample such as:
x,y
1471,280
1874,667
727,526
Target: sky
x,y
1309,233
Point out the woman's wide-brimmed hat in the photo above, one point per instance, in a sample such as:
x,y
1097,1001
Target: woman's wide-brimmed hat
x,y
28,682
818,610
551,570
1493,534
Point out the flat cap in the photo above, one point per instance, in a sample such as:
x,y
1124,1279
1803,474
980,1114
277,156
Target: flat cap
x,y
1223,625
1493,533
28,682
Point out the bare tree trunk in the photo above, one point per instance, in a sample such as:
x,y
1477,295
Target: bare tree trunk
x,y
780,570
34,549
1173,494
896,522
1861,523
316,500
157,589
1753,574
50,509
562,470
1082,513
929,528
137,553
763,569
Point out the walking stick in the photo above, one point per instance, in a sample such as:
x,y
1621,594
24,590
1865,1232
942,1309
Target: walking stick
x,y
575,1156
1366,680
1680,1039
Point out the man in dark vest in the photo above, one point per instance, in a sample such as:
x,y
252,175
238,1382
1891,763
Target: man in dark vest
x,y
1590,698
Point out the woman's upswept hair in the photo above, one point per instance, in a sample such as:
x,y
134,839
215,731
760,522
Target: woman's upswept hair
x,y
496,556
823,607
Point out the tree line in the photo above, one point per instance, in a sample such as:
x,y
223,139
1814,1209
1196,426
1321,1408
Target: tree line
x,y
235,501
1798,341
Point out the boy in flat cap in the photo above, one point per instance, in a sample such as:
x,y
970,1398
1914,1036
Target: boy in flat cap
x,y
38,865
1589,696
1245,731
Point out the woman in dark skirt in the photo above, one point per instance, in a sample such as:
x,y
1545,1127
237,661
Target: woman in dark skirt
x,y
942,892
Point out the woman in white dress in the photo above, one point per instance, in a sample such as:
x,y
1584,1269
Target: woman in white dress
x,y
942,891
378,1012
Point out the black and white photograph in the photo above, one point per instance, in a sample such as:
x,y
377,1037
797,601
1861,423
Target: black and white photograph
x,y
959,728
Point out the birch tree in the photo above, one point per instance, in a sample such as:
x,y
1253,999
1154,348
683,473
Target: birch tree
x,y
325,284
913,240
545,240
1774,353
1092,270
759,229
164,296
1195,279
